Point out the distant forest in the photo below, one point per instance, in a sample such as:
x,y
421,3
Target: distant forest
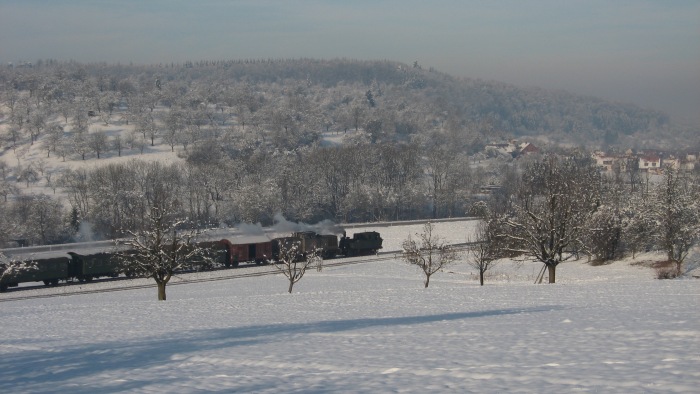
x,y
396,101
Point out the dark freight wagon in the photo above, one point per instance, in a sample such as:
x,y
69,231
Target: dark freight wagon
x,y
86,267
46,270
307,242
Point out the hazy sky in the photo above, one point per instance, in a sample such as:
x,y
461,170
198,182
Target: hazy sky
x,y
643,51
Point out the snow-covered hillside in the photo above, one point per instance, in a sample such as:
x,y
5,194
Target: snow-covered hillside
x,y
36,153
366,328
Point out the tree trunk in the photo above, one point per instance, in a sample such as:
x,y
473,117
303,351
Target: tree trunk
x,y
552,272
291,285
161,291
427,281
481,277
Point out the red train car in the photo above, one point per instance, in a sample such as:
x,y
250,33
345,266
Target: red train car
x,y
247,249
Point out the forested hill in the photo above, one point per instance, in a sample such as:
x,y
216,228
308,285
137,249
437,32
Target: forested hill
x,y
393,101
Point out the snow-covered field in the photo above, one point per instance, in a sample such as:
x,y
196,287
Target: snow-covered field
x,y
366,328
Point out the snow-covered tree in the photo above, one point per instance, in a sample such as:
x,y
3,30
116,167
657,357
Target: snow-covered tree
x,y
80,144
161,248
80,119
147,126
52,140
36,218
175,124
675,209
76,184
45,223
9,268
430,253
36,123
549,216
605,233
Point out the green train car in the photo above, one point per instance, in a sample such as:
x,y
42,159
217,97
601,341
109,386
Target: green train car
x,y
46,270
53,263
86,267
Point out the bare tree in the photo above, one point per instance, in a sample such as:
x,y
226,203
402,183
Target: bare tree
x,y
15,134
633,173
36,124
161,249
49,175
97,141
4,168
77,188
431,254
29,174
292,264
80,144
484,252
118,144
7,189
175,124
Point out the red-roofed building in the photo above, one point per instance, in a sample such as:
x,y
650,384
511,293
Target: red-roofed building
x,y
649,162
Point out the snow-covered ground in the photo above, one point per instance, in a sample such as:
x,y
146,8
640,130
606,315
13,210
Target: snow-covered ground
x,y
366,328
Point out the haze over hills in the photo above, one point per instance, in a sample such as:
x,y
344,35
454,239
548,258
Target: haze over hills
x,y
644,52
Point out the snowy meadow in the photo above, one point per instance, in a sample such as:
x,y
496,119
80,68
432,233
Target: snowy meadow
x,y
365,328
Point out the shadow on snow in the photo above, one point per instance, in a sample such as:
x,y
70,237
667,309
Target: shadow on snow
x,y
69,367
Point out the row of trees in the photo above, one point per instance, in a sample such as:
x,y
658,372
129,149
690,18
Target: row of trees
x,y
561,207
556,208
359,182
550,208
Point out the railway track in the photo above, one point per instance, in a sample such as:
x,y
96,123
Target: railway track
x,y
382,256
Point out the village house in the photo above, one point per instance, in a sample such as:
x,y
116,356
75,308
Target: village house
x,y
683,163
527,148
514,148
649,163
605,161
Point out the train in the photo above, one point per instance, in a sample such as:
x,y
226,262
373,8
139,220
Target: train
x,y
52,266
87,261
329,246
